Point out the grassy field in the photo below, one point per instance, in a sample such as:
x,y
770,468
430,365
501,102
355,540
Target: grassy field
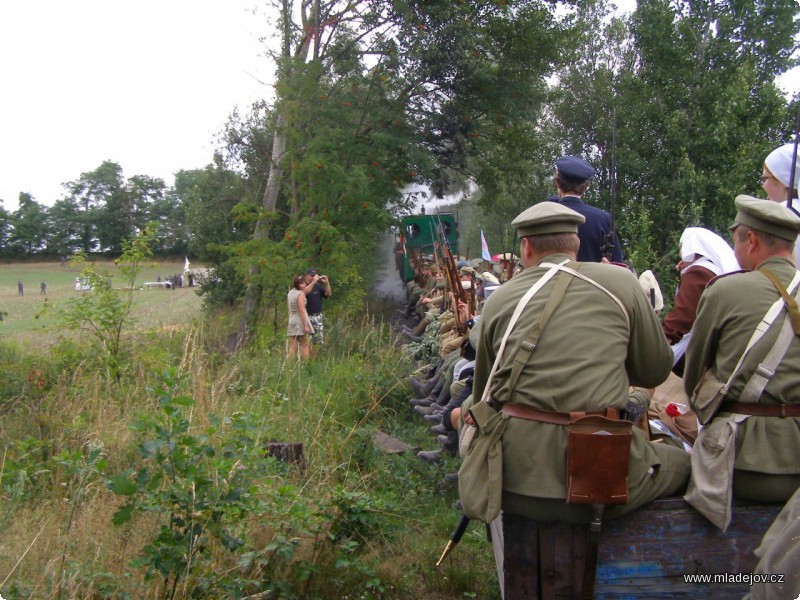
x,y
212,516
33,317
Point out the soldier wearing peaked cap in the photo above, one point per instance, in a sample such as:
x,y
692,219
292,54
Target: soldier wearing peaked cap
x,y
467,270
596,343
751,440
572,180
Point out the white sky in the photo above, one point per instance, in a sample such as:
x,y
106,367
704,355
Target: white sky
x,y
144,83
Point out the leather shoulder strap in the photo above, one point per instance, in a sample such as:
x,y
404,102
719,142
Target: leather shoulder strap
x,y
789,301
528,345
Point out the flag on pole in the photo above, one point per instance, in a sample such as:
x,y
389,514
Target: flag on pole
x,y
485,254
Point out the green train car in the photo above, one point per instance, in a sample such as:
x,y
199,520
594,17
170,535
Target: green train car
x,y
417,236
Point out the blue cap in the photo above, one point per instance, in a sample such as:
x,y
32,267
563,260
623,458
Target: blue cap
x,y
574,168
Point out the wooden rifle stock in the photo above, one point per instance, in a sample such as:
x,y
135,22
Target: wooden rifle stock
x,y
459,293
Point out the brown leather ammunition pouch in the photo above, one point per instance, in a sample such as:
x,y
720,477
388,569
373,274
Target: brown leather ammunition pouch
x,y
598,450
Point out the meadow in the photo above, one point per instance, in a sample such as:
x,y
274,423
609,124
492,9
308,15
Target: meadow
x,y
33,317
159,483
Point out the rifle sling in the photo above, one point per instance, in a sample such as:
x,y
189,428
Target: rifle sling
x,y
527,347
788,300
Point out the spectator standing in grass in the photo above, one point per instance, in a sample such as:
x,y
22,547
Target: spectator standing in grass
x,y
299,326
20,288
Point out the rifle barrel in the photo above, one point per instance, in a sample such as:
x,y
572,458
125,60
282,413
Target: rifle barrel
x,y
794,162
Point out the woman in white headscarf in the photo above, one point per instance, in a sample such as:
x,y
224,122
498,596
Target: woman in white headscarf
x,y
704,255
776,173
775,176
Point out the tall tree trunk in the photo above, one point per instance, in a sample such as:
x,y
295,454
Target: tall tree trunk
x,y
252,301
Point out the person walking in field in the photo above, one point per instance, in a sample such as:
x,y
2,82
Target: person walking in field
x,y
43,288
20,288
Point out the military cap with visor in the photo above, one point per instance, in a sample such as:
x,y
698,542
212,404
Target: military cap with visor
x,y
766,216
574,168
547,218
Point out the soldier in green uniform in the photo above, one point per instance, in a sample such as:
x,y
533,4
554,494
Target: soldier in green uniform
x,y
751,440
596,344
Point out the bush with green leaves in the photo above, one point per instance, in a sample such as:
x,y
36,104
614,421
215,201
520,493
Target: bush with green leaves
x,y
212,487
200,483
102,311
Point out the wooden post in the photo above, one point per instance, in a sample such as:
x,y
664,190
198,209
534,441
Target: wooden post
x,y
288,452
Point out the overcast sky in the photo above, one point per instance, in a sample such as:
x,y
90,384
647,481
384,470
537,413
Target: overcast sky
x,y
144,83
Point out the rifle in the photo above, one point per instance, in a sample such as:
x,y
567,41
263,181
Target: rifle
x,y
794,161
608,244
451,274
510,261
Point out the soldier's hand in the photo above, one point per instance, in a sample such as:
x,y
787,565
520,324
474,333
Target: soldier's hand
x,y
463,311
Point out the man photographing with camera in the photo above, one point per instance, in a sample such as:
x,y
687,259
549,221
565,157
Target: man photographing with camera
x,y
317,288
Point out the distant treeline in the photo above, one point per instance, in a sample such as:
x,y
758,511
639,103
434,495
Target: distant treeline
x,y
101,208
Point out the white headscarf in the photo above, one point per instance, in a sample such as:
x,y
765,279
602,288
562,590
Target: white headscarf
x,y
652,290
779,163
717,255
489,278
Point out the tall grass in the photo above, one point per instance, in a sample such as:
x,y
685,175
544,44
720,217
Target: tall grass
x,y
351,522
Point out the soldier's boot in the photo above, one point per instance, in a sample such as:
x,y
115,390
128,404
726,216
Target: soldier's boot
x,y
439,429
434,417
435,367
421,327
451,445
431,456
450,477
429,410
421,388
421,401
443,397
414,338
437,388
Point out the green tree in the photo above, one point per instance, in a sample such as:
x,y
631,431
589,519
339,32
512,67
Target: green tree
x,y
5,231
65,225
105,207
172,229
29,223
209,198
144,192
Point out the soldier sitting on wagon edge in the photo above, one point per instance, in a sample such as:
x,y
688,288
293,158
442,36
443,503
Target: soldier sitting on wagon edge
x,y
751,442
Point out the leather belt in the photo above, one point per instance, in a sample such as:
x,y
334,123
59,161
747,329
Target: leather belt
x,y
761,410
522,411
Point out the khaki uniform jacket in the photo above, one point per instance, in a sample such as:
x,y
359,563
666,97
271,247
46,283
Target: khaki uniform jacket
x,y
729,311
586,359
